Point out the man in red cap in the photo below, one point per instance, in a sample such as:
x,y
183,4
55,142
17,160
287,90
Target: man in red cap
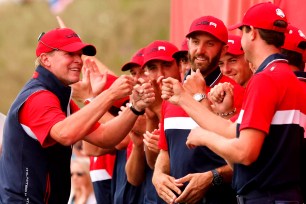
x,y
293,48
182,57
43,122
264,145
233,63
197,176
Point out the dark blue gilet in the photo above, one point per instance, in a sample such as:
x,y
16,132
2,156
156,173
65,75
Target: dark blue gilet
x,y
28,172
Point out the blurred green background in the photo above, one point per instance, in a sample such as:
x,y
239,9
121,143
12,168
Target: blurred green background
x,y
117,28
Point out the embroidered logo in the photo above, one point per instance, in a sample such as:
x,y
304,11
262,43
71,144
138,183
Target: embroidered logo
x,y
280,13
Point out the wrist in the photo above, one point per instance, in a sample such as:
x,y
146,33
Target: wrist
x,y
88,100
217,178
225,114
135,110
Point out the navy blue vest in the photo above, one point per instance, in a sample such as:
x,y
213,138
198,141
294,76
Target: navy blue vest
x,y
28,172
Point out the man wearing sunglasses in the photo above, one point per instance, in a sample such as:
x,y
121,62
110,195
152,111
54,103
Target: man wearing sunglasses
x,y
43,122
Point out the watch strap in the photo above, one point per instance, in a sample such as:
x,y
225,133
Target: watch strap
x,y
136,112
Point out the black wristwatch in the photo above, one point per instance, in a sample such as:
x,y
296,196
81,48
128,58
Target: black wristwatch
x,y
217,178
136,112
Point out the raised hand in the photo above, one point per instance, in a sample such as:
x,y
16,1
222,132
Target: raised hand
x,y
97,79
82,89
143,95
121,87
151,140
195,83
171,90
222,97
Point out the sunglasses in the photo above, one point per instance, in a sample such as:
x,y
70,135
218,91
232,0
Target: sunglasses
x,y
79,174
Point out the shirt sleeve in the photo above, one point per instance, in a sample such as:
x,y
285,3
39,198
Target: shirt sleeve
x,y
40,112
260,104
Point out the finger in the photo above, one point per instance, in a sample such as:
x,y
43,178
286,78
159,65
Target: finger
x,y
60,22
86,76
184,179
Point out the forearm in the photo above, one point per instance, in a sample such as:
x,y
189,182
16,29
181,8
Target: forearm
x,y
228,149
135,166
76,126
92,150
150,157
162,164
226,172
111,133
201,113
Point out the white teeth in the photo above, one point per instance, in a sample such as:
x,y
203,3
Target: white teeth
x,y
200,58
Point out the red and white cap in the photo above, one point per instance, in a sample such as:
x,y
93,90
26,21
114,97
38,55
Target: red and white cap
x,y
63,39
211,25
234,45
263,15
159,50
136,60
295,40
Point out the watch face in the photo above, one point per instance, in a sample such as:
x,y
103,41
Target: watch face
x,y
217,180
198,96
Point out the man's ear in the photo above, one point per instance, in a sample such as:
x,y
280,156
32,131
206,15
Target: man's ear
x,y
253,33
45,60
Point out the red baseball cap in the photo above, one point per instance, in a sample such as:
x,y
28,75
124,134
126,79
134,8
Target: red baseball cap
x,y
263,15
211,25
159,50
63,39
234,45
136,60
183,50
295,40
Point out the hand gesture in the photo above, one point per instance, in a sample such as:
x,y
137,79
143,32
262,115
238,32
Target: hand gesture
x,y
165,186
196,137
121,87
156,84
82,89
198,184
97,79
195,83
143,95
171,90
151,140
222,97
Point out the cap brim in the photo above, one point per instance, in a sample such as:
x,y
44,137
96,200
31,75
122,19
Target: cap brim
x,y
302,45
178,54
128,66
233,27
87,49
167,59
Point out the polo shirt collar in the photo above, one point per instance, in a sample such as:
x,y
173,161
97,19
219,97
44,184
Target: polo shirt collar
x,y
272,58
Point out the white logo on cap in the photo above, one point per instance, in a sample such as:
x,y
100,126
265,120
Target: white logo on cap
x,y
301,34
272,68
213,24
280,13
231,41
161,48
